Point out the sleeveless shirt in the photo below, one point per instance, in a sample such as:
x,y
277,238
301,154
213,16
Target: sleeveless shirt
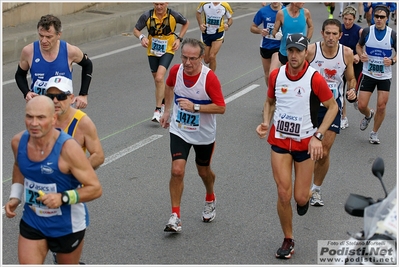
x,y
46,176
41,70
193,127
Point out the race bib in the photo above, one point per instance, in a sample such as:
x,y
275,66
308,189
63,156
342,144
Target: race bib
x,y
158,47
213,22
31,193
39,87
188,121
270,27
288,126
376,66
334,89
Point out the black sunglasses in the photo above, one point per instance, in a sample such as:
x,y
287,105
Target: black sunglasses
x,y
379,17
60,97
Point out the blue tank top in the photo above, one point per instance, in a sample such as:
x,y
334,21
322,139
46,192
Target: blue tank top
x,y
41,70
292,25
46,176
267,16
350,37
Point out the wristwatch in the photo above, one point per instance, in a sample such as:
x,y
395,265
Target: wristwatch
x,y
65,198
196,107
181,39
319,136
393,61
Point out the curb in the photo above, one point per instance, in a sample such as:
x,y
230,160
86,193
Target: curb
x,y
85,26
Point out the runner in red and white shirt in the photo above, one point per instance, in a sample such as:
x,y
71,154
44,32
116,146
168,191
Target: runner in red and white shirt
x,y
294,96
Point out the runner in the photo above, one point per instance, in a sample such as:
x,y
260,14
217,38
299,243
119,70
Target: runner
x,y
161,43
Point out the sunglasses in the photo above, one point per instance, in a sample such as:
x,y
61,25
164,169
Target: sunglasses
x,y
379,17
60,97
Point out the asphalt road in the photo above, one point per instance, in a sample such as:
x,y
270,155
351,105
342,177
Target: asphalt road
x,y
127,221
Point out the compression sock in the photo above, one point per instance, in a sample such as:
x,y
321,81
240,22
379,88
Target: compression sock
x,y
210,197
176,210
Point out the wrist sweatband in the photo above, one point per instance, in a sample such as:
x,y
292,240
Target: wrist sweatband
x,y
17,190
73,196
353,100
87,70
141,37
22,81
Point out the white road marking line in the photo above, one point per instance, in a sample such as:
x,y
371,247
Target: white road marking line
x,y
152,138
130,149
241,93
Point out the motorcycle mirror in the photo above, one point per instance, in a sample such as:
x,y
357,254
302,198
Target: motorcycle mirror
x,y
378,171
355,204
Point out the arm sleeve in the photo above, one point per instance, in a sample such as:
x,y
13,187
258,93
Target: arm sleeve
x,y
178,17
171,80
272,83
365,33
214,89
393,36
87,70
142,21
22,81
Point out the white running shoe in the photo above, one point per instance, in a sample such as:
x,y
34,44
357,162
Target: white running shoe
x,y
316,199
157,116
344,123
209,212
174,224
162,109
365,121
374,138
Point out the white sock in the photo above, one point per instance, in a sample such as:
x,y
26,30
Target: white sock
x,y
316,187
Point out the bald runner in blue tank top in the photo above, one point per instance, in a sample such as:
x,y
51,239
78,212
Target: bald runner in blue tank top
x,y
46,176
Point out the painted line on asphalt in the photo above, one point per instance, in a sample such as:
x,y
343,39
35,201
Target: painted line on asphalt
x,y
152,138
130,149
241,93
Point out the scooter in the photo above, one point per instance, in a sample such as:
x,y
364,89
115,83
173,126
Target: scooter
x,y
376,244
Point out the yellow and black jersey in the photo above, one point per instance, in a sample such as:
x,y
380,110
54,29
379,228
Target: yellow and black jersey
x,y
160,32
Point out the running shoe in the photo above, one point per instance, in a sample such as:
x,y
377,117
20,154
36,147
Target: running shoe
x,y
340,14
365,121
162,109
174,224
331,16
360,19
344,123
54,257
209,212
315,199
374,138
302,209
286,250
157,116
